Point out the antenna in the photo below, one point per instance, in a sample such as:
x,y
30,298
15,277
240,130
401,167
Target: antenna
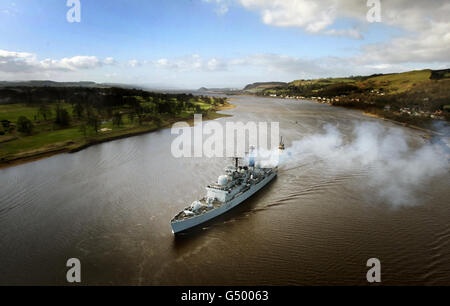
x,y
236,161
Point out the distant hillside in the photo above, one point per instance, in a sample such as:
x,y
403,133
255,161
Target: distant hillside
x,y
259,86
389,83
394,83
49,84
216,90
84,84
411,97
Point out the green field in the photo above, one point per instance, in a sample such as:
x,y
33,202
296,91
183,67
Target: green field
x,y
12,112
47,136
398,82
322,82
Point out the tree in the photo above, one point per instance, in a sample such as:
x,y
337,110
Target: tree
x,y
83,129
131,116
44,111
94,122
7,126
158,121
139,111
24,125
117,119
163,108
78,110
62,116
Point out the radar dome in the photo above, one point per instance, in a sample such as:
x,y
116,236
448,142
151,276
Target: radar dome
x,y
223,180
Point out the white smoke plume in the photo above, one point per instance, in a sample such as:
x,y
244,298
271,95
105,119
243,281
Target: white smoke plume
x,y
395,169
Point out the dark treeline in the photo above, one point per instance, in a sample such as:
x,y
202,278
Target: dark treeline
x,y
95,97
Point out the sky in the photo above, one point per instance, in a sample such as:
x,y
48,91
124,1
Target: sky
x,y
188,44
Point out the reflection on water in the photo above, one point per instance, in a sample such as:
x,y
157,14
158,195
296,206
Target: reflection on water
x,y
110,206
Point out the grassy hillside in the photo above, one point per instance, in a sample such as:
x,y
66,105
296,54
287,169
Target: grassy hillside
x,y
388,83
415,97
322,82
261,86
397,82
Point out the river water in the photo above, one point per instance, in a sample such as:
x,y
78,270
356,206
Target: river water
x,y
110,206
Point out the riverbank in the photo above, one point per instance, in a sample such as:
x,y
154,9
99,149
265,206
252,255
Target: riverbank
x,y
415,127
71,146
369,114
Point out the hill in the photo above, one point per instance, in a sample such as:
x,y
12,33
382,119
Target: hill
x,y
45,83
260,86
413,97
216,90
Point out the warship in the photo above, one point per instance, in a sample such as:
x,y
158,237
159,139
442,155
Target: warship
x,y
231,189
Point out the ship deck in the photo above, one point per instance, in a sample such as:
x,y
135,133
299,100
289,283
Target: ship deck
x,y
183,216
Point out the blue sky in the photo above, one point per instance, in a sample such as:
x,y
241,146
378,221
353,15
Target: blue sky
x,y
215,43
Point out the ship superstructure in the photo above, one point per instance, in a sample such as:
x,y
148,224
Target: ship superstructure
x,y
237,184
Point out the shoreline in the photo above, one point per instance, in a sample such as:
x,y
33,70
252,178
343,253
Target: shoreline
x,y
72,147
369,114
404,124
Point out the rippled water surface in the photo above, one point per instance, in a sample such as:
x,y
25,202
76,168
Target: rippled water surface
x,y
110,206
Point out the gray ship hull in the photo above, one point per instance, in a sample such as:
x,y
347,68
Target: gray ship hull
x,y
179,226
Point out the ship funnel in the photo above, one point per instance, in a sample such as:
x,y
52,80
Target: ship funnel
x,y
251,155
281,146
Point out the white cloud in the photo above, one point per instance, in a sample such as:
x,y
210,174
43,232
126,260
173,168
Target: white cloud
x,y
195,69
426,24
354,33
9,9
16,61
313,16
281,63
268,66
109,61
192,62
319,15
134,63
430,45
24,62
71,64
261,65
